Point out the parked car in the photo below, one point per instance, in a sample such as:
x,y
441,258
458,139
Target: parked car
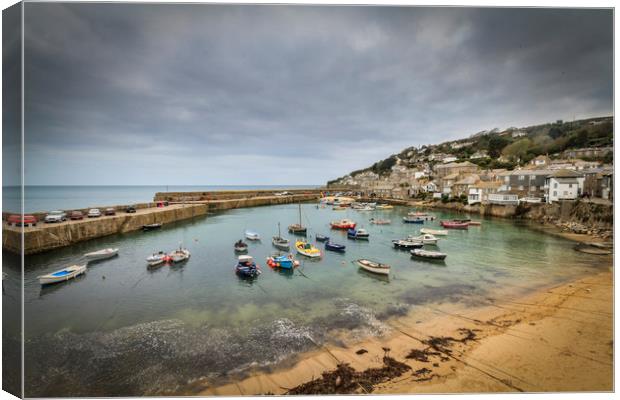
x,y
110,211
76,215
94,213
130,209
55,216
18,220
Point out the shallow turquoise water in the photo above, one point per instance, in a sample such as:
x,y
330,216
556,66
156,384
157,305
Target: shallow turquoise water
x,y
125,330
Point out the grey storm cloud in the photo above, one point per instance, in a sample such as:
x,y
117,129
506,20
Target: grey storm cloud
x,y
261,94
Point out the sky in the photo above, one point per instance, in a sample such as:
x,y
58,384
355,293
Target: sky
x,y
249,94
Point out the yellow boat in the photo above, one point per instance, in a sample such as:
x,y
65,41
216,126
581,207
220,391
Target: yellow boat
x,y
307,249
384,207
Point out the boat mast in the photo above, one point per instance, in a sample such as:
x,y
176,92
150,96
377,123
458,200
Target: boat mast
x,y
279,234
300,215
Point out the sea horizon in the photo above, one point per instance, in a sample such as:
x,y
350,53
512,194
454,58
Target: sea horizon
x,y
45,198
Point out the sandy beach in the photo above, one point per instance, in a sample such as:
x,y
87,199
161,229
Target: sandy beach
x,y
556,339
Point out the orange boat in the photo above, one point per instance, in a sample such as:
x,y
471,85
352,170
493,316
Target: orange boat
x,y
343,224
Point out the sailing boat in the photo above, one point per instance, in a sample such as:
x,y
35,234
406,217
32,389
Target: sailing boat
x,y
280,242
297,229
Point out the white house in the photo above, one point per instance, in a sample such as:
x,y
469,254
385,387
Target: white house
x,y
479,193
563,185
516,134
449,159
503,198
479,154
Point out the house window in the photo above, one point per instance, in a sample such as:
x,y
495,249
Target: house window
x,y
521,177
570,185
565,193
520,187
555,194
507,179
555,185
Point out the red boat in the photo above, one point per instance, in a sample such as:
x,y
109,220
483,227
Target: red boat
x,y
454,224
343,224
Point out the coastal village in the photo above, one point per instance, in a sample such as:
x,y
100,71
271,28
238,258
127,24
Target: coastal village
x,y
426,173
473,173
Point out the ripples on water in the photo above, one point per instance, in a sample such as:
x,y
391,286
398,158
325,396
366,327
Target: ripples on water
x,y
124,330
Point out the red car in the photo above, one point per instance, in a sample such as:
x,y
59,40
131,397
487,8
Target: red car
x,y
76,215
18,220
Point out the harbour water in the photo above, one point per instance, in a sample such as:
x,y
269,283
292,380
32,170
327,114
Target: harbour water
x,y
48,198
125,330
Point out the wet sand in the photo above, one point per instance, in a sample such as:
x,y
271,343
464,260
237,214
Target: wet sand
x,y
556,339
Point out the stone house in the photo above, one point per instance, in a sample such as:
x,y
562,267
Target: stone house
x,y
463,184
451,168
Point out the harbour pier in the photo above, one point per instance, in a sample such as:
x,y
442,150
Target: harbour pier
x,y
181,206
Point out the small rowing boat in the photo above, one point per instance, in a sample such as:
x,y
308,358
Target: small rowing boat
x,y
150,227
250,235
306,249
384,207
427,254
339,248
436,232
62,275
374,267
101,254
454,224
379,221
241,246
413,220
406,244
321,238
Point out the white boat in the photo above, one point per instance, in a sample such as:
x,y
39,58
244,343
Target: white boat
x,y
435,232
252,235
101,254
425,239
62,275
156,259
179,255
431,255
366,208
374,267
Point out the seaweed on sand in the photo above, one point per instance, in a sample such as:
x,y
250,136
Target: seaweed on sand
x,y
346,380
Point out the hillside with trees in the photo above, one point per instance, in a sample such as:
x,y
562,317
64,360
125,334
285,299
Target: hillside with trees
x,y
509,148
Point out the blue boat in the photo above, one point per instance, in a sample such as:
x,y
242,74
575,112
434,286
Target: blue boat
x,y
413,220
334,247
321,238
285,262
359,234
246,267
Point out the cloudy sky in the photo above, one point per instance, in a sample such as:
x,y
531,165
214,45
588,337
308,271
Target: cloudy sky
x,y
220,94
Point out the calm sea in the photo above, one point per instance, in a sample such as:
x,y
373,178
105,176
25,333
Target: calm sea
x,y
48,198
123,329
